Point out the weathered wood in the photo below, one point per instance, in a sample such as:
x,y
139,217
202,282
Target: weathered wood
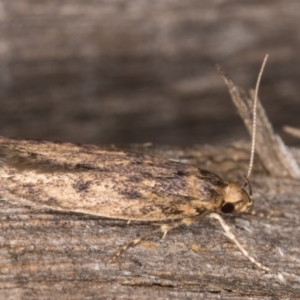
x,y
131,71
55,256
273,153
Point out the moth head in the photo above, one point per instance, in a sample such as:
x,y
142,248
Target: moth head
x,y
236,199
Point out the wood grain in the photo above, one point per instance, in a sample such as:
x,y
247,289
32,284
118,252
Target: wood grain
x,y
64,256
131,71
126,71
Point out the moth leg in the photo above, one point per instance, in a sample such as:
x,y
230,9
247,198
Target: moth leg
x,y
164,228
132,243
231,236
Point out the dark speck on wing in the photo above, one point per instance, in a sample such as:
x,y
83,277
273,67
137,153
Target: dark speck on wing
x,y
52,202
81,185
130,193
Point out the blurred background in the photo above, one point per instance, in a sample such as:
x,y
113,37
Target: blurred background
x,y
136,71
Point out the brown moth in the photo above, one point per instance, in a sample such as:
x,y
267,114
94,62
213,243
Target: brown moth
x,y
111,183
117,184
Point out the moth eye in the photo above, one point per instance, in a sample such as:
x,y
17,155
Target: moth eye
x,y
227,208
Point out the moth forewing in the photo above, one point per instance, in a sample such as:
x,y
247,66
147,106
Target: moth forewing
x,y
133,187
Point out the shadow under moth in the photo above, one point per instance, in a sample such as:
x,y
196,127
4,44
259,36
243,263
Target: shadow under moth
x,y
118,184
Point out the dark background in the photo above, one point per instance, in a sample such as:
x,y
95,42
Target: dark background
x,y
135,71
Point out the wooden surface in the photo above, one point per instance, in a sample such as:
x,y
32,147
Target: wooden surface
x,y
131,71
64,256
122,72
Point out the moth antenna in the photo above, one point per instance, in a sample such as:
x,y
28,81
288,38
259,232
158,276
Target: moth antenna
x,y
255,118
247,182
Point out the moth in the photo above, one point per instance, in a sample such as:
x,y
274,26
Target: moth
x,y
118,184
